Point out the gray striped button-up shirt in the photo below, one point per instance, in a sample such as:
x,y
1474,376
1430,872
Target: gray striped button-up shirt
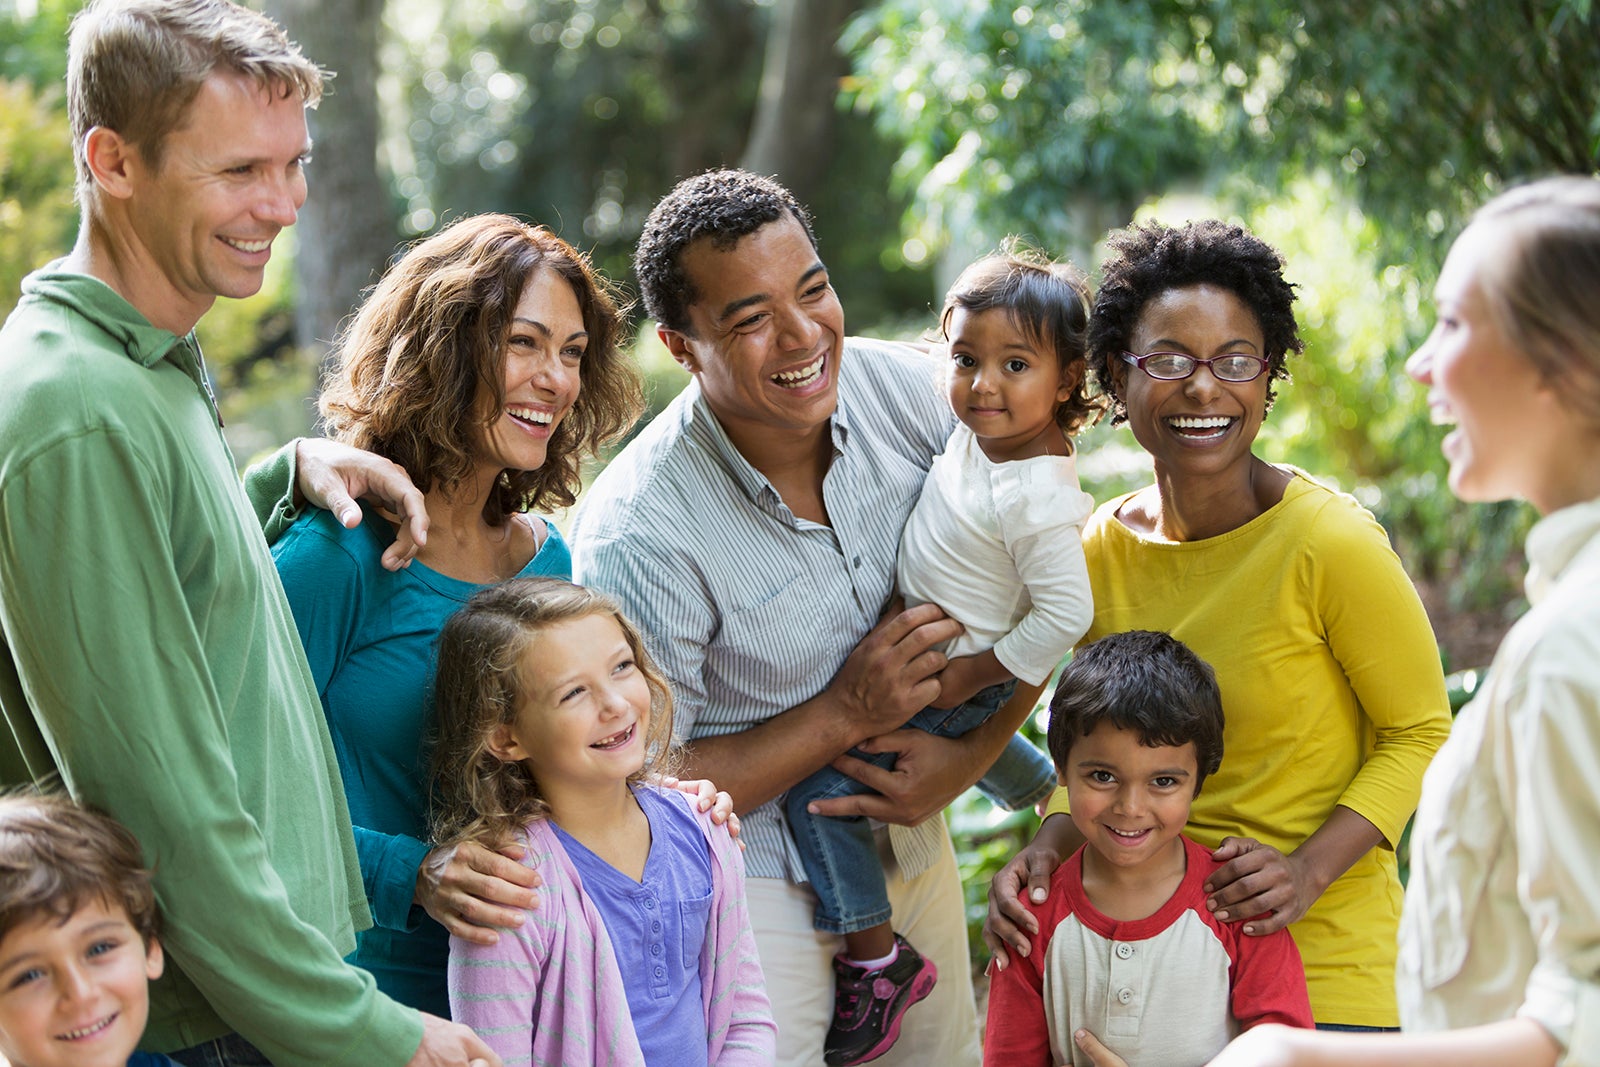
x,y
749,609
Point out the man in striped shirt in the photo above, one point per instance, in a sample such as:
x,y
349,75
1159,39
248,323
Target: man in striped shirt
x,y
751,531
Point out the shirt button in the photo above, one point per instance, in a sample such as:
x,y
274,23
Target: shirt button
x,y
650,902
655,950
1125,996
1124,950
857,562
655,928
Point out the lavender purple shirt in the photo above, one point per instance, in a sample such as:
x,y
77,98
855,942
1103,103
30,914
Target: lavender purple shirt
x,y
552,991
657,927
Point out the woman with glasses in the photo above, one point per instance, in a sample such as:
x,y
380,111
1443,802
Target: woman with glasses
x,y
1500,947
1330,677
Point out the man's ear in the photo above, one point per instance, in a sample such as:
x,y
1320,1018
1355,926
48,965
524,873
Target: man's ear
x,y
111,161
677,343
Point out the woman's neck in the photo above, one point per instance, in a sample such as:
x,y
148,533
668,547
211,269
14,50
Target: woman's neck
x,y
1188,508
463,544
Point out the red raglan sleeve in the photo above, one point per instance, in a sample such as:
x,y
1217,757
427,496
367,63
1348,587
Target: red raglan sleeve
x,y
1015,1034
1269,982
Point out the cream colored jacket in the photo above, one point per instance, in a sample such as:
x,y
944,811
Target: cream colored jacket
x,y
1502,913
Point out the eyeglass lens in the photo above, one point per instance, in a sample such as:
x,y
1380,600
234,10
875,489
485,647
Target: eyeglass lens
x,y
1230,368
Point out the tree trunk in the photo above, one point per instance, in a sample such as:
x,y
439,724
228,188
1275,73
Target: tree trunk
x,y
792,135
347,229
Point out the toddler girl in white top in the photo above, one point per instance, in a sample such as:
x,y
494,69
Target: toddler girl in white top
x,y
995,540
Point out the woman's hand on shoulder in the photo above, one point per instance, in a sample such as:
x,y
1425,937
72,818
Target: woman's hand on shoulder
x,y
471,890
1009,922
1258,883
707,797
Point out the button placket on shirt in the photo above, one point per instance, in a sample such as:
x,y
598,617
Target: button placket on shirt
x,y
1123,984
655,942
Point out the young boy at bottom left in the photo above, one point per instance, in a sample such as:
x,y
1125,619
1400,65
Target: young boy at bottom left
x,y
1127,949
78,937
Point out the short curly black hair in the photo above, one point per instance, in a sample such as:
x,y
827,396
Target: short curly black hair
x,y
719,205
1149,260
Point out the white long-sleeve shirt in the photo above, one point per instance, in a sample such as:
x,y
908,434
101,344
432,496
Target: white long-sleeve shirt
x,y
999,546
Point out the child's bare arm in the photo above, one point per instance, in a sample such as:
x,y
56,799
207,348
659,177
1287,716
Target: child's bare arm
x,y
966,676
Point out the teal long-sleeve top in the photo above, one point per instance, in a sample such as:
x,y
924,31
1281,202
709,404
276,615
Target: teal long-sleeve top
x,y
370,636
148,657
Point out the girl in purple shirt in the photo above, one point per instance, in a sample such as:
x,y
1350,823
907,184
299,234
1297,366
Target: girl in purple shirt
x,y
551,718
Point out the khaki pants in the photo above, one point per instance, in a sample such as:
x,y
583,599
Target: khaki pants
x,y
941,1031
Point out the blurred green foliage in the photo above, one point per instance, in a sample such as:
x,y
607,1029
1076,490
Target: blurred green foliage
x,y
33,46
1042,116
581,114
37,214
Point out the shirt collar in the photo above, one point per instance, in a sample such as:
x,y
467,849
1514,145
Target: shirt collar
x,y
144,343
704,426
1556,541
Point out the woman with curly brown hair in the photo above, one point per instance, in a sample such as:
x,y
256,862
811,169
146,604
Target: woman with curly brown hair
x,y
486,364
1500,943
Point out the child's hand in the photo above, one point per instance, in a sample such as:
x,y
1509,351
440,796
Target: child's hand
x,y
471,890
1099,1055
708,798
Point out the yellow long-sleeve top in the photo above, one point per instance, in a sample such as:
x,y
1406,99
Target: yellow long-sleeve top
x,y
1332,691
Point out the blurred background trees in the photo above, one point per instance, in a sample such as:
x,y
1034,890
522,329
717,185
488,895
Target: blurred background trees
x,y
1356,137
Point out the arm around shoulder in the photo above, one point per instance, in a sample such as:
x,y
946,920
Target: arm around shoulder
x,y
269,484
1379,633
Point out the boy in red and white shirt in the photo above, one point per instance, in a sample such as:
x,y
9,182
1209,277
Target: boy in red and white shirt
x,y
1127,949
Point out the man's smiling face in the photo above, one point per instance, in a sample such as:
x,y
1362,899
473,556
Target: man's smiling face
x,y
765,331
230,179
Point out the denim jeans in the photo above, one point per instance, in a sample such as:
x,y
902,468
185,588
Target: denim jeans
x,y
838,853
228,1051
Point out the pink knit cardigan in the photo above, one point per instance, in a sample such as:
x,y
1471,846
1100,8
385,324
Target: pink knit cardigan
x,y
550,991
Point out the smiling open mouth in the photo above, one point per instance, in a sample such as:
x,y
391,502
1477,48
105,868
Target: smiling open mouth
x,y
252,247
1201,427
530,417
88,1031
799,379
616,740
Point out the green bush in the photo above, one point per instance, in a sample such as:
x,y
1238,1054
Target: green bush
x,y
38,216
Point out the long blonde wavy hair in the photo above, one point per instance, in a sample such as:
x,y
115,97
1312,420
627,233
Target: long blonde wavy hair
x,y
477,796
